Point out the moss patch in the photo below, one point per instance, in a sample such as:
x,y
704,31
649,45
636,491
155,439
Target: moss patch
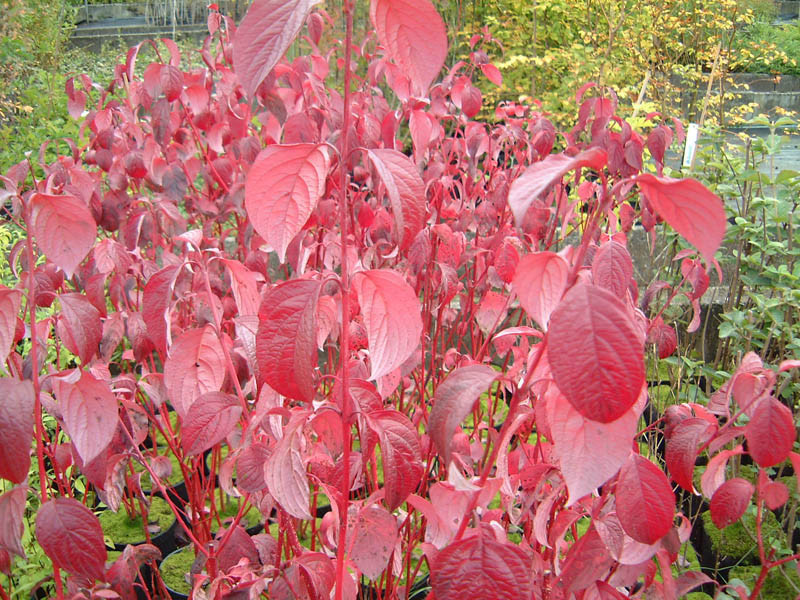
x,y
780,584
250,519
174,569
175,477
736,541
121,529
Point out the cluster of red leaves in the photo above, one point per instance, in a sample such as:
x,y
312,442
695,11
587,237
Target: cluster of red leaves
x,y
360,295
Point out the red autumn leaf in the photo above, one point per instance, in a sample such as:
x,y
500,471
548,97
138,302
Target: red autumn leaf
x,y
10,301
544,174
492,73
663,336
286,344
239,545
586,562
16,428
401,453
595,353
212,418
374,536
79,326
250,467
244,285
64,229
282,189
12,509
90,414
645,502
730,501
392,317
775,494
770,433
689,208
285,474
612,268
171,79
196,366
682,446
589,452
481,568
71,535
264,35
454,400
539,282
714,474
414,35
155,307
406,192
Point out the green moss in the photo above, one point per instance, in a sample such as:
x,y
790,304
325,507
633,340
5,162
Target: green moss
x,y
780,583
231,508
175,568
175,477
737,541
697,596
121,529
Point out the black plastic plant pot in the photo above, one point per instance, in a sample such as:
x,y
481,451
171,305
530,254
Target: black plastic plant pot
x,y
174,569
124,531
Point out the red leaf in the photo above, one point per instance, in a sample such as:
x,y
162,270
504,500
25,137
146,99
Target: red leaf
x,y
374,536
12,508
64,229
244,285
664,338
775,494
406,192
212,418
714,474
196,366
730,501
285,474
392,317
539,282
589,452
72,537
454,400
612,268
155,307
645,502
586,562
90,414
492,74
16,428
414,36
250,467
595,353
682,445
171,82
282,189
690,209
770,433
264,35
10,301
79,326
401,453
545,174
481,568
286,345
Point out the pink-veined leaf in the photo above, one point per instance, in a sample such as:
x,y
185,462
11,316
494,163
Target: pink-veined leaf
x,y
285,474
196,366
414,35
401,453
250,467
244,285
690,208
586,562
714,474
212,418
612,268
286,343
682,446
12,509
392,317
406,192
64,229
71,535
770,433
373,540
481,568
539,282
171,79
16,428
544,174
437,532
155,307
589,452
454,400
595,353
645,502
264,35
282,189
10,302
90,414
730,501
79,326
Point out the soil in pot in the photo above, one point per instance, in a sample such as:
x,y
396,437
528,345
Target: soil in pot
x,y
174,570
122,530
